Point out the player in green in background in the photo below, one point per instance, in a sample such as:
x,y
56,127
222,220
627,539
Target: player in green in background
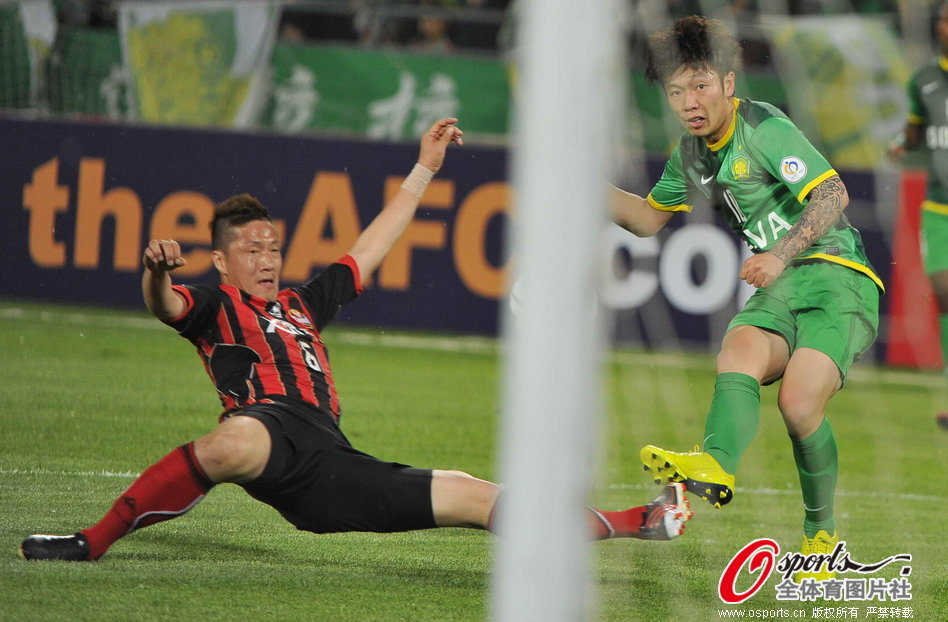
x,y
928,124
816,306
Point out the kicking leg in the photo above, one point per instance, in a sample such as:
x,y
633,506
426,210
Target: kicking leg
x,y
749,356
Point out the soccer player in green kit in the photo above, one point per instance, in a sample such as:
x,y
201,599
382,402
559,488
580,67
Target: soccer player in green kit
x,y
816,306
928,125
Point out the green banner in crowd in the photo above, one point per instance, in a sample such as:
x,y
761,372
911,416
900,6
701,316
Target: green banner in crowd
x,y
384,95
27,30
198,63
86,77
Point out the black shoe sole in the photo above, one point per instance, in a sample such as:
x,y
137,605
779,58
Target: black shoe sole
x,y
715,494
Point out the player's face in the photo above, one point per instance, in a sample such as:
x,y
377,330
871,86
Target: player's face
x,y
702,101
252,261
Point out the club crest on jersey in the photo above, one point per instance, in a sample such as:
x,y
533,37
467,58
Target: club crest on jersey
x,y
793,169
740,168
275,310
299,317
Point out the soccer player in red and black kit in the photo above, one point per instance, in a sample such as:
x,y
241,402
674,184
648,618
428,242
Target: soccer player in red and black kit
x,y
279,436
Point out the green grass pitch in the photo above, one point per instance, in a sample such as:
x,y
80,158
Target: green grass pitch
x,y
92,397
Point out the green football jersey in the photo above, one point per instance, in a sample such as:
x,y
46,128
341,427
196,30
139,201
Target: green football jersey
x,y
928,107
758,178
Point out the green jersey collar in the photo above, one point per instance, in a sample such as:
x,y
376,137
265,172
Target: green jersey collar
x,y
730,130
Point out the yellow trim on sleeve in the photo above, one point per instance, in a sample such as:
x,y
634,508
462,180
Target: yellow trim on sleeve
x,y
943,62
684,207
914,119
858,267
813,184
938,208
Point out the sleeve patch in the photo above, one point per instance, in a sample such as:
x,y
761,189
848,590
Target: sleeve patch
x,y
792,169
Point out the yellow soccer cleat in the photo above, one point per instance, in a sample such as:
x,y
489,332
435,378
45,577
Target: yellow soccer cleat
x,y
820,544
698,470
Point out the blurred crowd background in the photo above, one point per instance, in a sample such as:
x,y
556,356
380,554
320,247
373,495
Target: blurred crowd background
x,y
382,68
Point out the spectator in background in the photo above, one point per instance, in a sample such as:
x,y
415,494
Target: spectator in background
x,y
479,34
925,129
87,12
298,25
431,31
377,27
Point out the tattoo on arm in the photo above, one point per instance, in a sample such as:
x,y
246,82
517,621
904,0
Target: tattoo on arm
x,y
827,202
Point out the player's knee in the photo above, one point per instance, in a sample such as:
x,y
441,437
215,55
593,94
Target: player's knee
x,y
724,361
234,453
461,500
730,360
801,412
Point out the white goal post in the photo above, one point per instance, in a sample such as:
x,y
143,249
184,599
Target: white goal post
x,y
567,58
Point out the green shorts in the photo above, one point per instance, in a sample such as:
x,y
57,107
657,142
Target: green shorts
x,y
934,237
818,305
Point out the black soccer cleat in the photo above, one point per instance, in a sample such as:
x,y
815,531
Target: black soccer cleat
x,y
73,548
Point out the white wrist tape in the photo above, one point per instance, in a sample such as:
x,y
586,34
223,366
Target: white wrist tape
x,y
417,180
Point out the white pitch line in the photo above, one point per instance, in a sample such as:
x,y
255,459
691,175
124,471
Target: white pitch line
x,y
80,319
794,492
753,491
36,471
476,345
471,344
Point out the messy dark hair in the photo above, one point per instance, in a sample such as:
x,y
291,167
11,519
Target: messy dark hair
x,y
234,212
694,43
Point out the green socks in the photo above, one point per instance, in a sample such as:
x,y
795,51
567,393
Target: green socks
x,y
733,420
818,466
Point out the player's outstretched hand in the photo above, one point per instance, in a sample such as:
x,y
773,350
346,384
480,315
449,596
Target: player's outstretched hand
x,y
435,142
163,256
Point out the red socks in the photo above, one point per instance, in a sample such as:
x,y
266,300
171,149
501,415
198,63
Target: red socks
x,y
166,490
602,525
624,524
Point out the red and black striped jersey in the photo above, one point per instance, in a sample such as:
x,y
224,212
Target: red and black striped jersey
x,y
254,349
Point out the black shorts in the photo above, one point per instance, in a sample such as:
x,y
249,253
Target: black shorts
x,y
318,482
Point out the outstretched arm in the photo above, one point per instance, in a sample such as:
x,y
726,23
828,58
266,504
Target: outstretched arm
x,y
633,213
161,257
379,237
827,202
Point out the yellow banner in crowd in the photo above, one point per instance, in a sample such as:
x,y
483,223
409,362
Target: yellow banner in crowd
x,y
197,63
844,78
